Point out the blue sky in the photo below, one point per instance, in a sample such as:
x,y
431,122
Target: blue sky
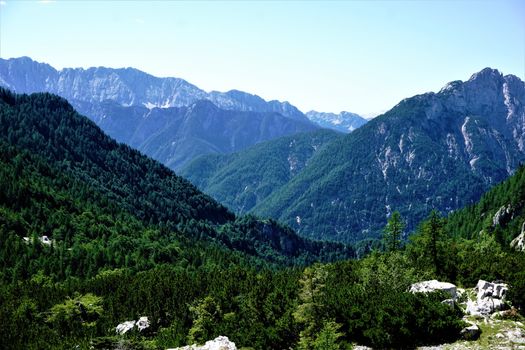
x,y
359,56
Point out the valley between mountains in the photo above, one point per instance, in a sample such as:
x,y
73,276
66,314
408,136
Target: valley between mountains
x,y
139,212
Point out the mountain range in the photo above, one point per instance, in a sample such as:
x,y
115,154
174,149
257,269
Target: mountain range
x,y
432,151
95,233
168,119
176,135
127,87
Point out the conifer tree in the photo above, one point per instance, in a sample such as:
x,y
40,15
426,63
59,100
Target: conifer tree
x,y
393,232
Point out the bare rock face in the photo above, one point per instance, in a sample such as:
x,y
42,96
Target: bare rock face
x,y
219,343
502,216
490,298
518,243
434,286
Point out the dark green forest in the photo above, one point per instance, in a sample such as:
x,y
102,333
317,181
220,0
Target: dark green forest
x,y
244,179
128,238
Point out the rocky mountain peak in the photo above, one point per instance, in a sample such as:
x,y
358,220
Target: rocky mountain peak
x,y
486,74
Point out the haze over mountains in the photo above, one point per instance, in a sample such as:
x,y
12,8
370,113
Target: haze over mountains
x,y
165,118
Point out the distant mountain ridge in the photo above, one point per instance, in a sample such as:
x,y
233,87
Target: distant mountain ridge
x,y
344,121
168,119
176,135
126,86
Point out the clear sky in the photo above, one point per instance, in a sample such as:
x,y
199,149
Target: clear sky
x,y
359,56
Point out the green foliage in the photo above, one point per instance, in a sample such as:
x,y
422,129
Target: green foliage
x,y
76,314
392,271
430,246
311,311
244,179
130,239
128,230
206,314
329,337
393,232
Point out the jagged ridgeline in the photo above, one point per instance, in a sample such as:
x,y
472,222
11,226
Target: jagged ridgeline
x,y
63,178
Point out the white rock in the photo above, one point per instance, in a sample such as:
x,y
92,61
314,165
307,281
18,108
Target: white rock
x,y
490,298
503,214
45,240
494,290
516,335
433,286
518,243
219,343
124,327
449,302
471,332
143,323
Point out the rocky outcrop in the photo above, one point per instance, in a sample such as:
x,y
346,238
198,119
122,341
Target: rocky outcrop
x,y
142,324
219,343
502,216
518,243
434,286
43,239
124,327
490,298
471,332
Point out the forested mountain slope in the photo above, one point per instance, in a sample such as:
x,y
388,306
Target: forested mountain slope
x,y
436,150
242,180
48,128
500,212
192,269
